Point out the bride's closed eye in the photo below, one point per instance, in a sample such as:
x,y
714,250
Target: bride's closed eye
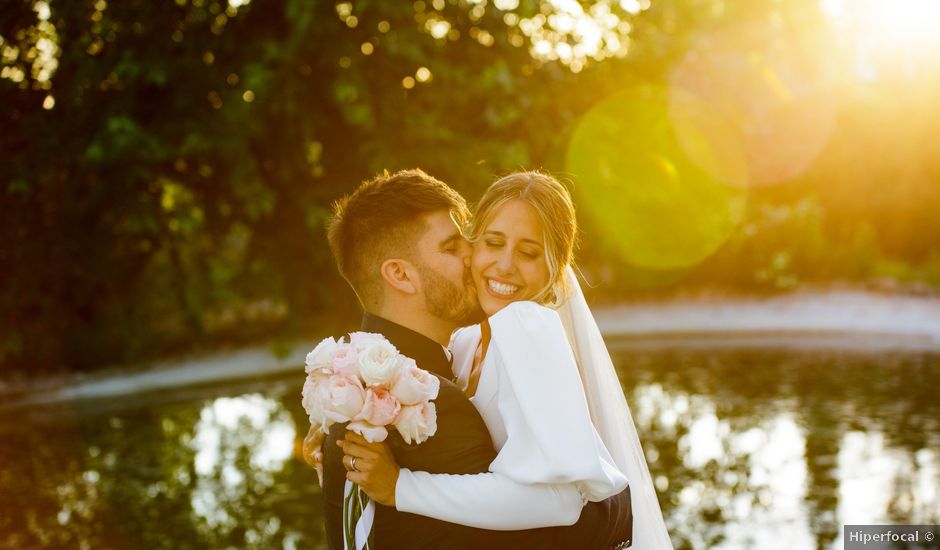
x,y
530,254
494,244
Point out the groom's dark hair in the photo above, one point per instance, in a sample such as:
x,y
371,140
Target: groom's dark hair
x,y
383,219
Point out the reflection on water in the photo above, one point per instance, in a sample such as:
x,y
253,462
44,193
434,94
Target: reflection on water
x,y
770,449
240,443
876,478
204,471
759,449
767,458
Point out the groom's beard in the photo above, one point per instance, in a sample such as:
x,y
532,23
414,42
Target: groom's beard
x,y
447,301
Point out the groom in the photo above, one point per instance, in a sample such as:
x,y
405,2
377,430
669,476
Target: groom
x,y
397,241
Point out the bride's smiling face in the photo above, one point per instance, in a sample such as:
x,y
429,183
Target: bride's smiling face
x,y
508,262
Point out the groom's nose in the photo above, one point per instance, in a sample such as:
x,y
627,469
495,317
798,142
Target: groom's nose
x,y
466,252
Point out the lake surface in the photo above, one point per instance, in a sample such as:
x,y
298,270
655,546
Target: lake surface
x,y
749,449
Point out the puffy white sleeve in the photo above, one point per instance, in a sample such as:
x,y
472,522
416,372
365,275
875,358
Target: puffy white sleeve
x,y
549,434
487,501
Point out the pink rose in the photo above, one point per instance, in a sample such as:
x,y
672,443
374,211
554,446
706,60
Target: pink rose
x,y
314,396
359,340
321,357
368,431
345,360
417,422
344,397
413,385
380,407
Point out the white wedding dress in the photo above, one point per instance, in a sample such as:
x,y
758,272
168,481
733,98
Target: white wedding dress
x,y
554,451
550,458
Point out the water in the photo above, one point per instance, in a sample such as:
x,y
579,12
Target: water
x,y
749,448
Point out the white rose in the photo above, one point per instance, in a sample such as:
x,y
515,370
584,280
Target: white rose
x,y
343,397
378,362
417,422
413,385
359,340
314,396
322,356
368,431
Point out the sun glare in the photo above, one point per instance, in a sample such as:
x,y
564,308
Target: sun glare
x,y
904,31
909,20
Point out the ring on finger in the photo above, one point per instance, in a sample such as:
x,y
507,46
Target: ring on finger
x,y
352,464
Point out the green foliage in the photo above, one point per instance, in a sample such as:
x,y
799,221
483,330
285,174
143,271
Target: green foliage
x,y
175,194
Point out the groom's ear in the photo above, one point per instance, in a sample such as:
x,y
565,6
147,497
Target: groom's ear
x,y
399,274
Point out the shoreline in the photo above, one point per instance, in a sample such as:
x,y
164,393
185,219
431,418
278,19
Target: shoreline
x,y
856,321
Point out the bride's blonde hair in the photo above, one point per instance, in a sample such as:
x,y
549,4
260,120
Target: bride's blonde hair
x,y
555,210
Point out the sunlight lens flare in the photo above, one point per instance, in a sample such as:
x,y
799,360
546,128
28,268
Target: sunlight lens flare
x,y
886,38
917,20
773,98
658,209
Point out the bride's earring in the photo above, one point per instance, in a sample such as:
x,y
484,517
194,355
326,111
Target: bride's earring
x,y
554,295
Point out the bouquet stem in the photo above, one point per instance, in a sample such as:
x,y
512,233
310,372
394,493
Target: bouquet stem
x,y
354,504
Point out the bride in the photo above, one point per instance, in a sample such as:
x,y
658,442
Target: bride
x,y
540,375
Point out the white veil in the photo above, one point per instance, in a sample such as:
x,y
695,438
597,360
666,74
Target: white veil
x,y
611,416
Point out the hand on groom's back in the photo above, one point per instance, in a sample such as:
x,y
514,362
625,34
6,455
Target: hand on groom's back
x,y
313,451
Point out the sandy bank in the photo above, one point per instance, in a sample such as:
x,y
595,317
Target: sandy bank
x,y
855,321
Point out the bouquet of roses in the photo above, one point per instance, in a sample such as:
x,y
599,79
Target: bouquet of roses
x,y
369,384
